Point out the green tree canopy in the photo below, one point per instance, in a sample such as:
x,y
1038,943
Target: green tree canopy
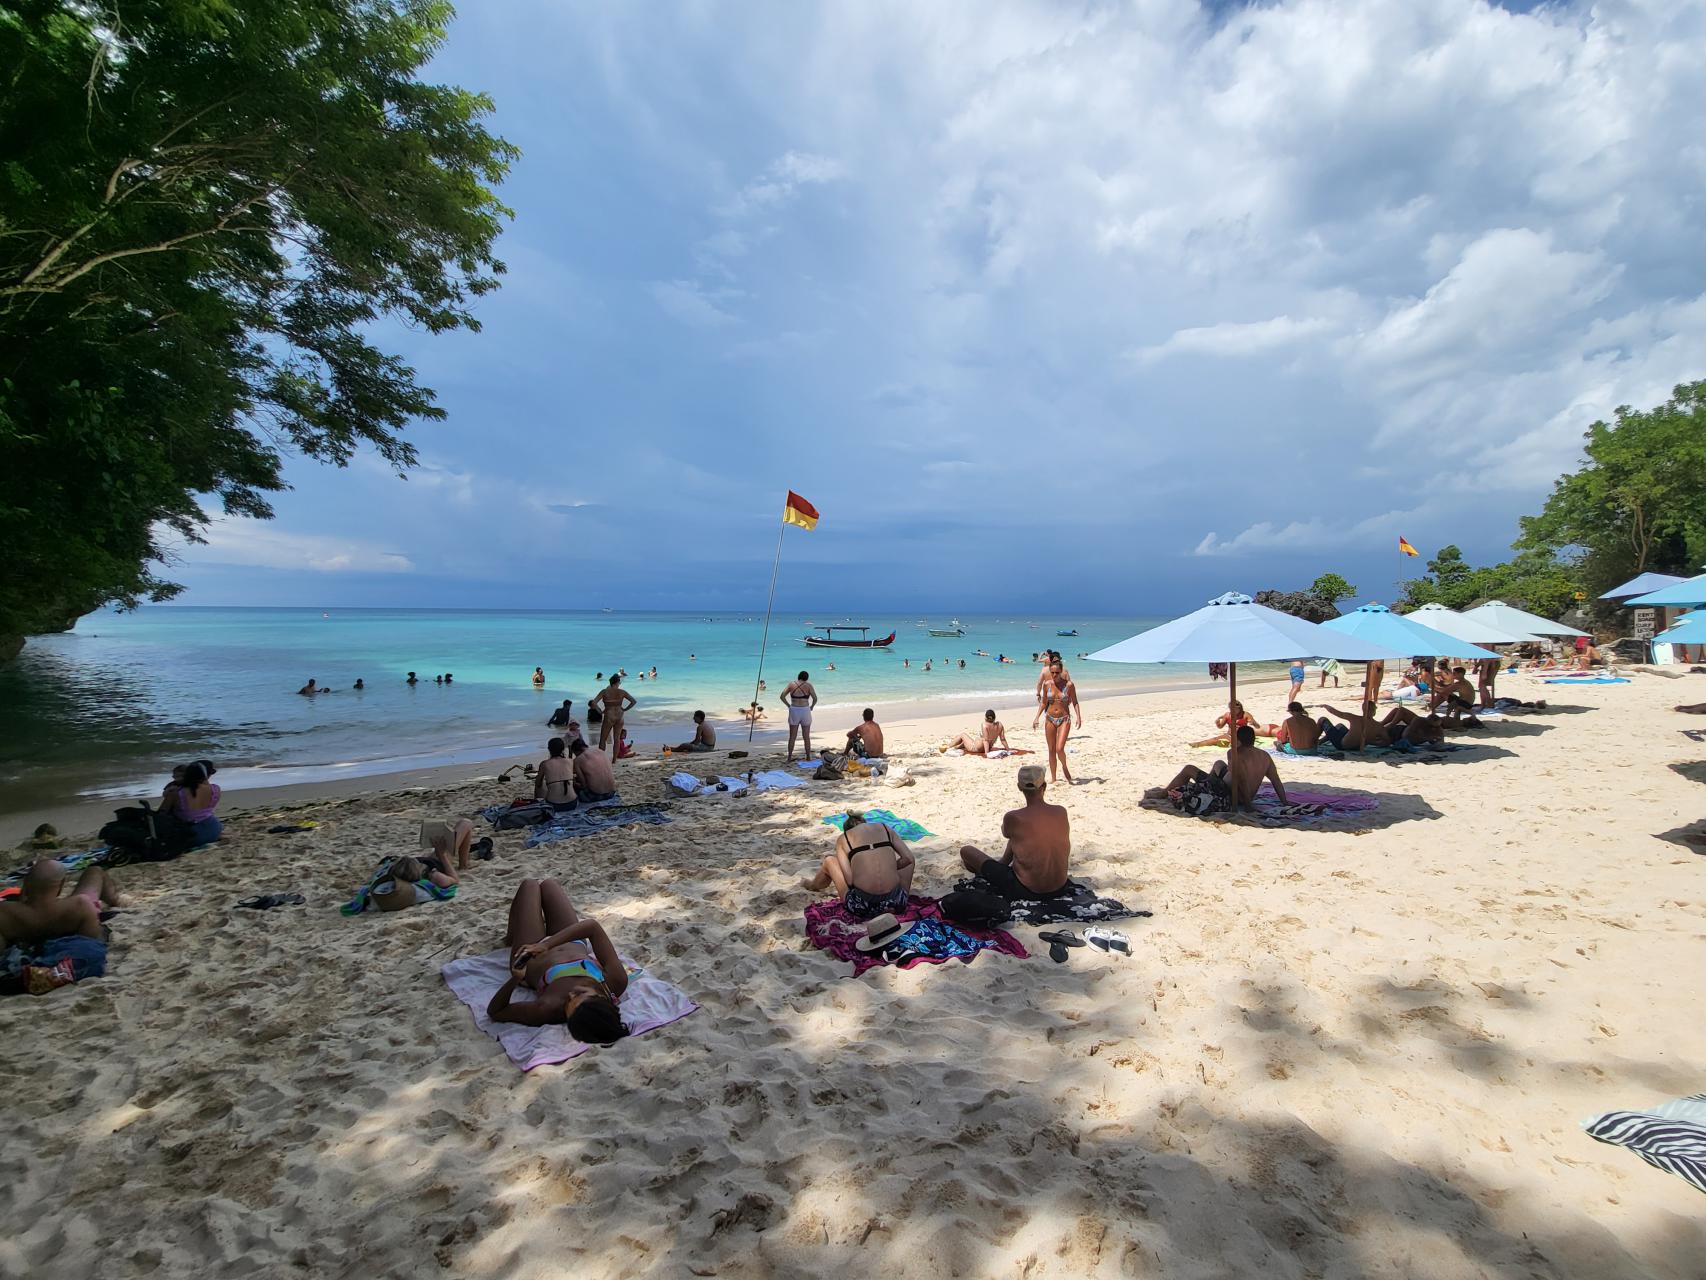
x,y
205,206
1332,588
1535,580
1639,501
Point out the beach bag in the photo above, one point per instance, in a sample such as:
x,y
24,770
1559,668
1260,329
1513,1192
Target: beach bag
x,y
140,833
1202,796
975,908
525,813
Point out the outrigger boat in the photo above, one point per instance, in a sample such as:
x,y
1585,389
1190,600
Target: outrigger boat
x,y
828,641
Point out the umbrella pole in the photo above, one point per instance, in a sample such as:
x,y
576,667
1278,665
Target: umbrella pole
x,y
1232,729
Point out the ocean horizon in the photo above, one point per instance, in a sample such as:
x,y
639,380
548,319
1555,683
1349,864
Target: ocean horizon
x,y
107,708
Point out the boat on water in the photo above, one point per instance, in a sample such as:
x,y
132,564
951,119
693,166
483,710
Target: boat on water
x,y
1073,632
828,641
947,631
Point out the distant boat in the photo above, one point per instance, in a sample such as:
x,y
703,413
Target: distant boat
x,y
828,641
325,615
1073,632
948,631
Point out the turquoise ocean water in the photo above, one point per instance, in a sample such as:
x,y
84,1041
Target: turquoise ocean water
x,y
110,706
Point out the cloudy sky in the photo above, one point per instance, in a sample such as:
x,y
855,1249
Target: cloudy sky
x,y
1114,306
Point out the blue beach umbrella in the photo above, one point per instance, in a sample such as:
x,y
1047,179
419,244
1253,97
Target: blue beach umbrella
x,y
1688,591
1378,623
1641,584
1234,629
1688,629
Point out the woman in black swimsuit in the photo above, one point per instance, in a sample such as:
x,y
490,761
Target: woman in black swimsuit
x,y
871,869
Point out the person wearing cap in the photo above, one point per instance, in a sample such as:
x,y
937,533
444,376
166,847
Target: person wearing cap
x,y
1039,841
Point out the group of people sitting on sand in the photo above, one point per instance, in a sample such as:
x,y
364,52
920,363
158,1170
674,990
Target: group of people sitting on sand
x,y
871,868
572,774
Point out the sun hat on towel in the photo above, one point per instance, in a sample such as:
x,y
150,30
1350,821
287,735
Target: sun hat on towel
x,y
880,932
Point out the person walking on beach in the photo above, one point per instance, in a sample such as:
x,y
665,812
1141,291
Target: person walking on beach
x,y
1058,704
1039,843
615,701
1296,672
799,697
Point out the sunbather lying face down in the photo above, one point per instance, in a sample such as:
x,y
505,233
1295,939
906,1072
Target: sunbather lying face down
x,y
567,960
870,868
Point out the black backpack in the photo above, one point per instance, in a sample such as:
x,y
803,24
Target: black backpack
x,y
141,833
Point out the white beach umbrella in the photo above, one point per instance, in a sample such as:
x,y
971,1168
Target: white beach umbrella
x,y
1475,631
1398,631
1509,618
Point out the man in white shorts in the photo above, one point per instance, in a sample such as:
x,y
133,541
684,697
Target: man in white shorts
x,y
799,697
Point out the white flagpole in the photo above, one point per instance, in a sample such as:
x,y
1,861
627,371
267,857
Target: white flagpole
x,y
752,724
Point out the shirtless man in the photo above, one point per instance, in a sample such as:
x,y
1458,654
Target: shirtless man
x,y
704,736
1039,841
1357,732
1458,696
39,912
1417,730
615,701
1486,673
1298,729
866,738
799,697
554,780
595,779
310,689
982,742
563,716
1254,766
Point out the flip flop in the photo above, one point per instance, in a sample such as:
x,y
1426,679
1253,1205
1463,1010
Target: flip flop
x,y
1057,953
482,849
291,830
267,901
1061,938
1108,940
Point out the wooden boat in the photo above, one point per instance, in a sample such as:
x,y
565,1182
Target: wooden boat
x,y
828,641
951,631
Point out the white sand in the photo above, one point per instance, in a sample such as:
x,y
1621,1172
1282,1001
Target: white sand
x,y
1351,1049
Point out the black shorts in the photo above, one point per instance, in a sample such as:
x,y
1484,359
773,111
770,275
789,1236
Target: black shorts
x,y
1005,884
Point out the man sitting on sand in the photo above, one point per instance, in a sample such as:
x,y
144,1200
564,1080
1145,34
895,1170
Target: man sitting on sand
x,y
595,779
981,742
1253,767
865,739
704,736
39,912
1298,730
1039,841
554,780
1456,695
1357,732
871,869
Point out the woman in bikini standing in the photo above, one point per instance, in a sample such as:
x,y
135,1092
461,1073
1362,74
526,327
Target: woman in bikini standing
x,y
569,963
871,869
615,700
1057,700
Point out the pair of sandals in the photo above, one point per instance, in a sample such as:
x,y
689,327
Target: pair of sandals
x,y
1096,936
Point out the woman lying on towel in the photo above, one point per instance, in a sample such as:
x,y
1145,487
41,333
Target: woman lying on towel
x,y
567,960
1237,720
871,869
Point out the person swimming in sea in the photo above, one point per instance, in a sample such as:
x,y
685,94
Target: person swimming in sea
x,y
567,960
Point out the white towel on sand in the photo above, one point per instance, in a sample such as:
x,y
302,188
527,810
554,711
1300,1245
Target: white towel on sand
x,y
647,1004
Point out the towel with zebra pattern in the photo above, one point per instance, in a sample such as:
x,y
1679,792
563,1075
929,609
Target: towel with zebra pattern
x,y
1671,1136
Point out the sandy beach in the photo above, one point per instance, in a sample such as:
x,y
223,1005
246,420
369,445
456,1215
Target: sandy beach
x,y
1360,1046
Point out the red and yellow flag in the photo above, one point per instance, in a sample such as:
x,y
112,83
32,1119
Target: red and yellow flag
x,y
1403,546
798,511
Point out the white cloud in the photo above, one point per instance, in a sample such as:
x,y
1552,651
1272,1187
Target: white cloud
x,y
781,179
237,540
1233,339
692,303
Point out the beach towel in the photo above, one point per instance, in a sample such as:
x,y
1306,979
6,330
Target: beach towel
x,y
1586,680
364,896
74,863
1299,806
931,939
492,812
1671,1136
1076,902
647,1004
590,820
905,828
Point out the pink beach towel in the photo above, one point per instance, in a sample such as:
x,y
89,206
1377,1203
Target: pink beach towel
x,y
832,928
647,1004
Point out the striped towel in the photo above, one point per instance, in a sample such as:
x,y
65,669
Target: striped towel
x,y
1671,1136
